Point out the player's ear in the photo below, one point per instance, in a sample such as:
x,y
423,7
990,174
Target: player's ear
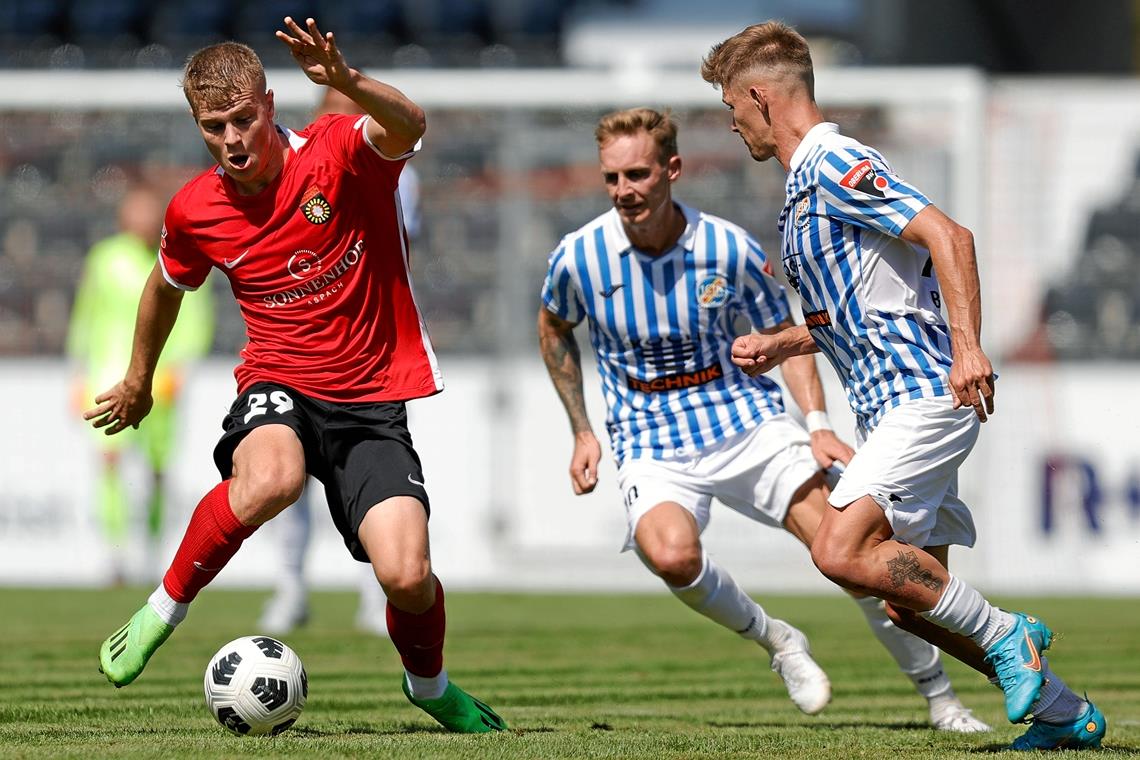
x,y
269,102
673,168
759,98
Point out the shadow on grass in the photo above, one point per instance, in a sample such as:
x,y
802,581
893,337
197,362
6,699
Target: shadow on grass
x,y
403,730
892,726
990,749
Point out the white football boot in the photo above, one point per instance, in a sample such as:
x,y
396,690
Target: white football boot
x,y
286,611
805,681
947,713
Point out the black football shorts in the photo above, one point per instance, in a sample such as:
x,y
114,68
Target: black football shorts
x,y
361,452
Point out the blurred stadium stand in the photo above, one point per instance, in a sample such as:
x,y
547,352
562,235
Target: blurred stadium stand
x,y
61,172
1094,312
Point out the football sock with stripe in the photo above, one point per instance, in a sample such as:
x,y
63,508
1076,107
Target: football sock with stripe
x,y
419,640
168,610
715,595
212,538
962,609
919,660
427,688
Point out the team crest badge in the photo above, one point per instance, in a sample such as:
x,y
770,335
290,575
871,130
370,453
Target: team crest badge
x,y
802,217
712,291
315,206
862,177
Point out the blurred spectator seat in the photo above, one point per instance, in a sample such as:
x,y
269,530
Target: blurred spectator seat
x,y
186,25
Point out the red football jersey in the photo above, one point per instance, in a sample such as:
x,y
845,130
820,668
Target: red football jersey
x,y
318,262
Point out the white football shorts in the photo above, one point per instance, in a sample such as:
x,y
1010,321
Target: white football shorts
x,y
909,466
755,473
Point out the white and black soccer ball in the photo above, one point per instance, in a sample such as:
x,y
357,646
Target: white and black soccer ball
x,y
256,685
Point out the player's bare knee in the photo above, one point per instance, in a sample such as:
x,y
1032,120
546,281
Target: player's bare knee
x,y
257,495
676,564
408,585
831,558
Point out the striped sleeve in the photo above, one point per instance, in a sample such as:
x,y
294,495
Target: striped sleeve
x,y
859,188
764,299
560,292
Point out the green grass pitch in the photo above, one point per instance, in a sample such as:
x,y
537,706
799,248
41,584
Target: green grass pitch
x,y
576,676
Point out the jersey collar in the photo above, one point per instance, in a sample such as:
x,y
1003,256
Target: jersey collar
x,y
618,241
814,137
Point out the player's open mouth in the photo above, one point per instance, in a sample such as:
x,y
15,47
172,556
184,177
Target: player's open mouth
x,y
239,161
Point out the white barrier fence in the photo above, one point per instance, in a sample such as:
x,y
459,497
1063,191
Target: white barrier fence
x,y
1054,482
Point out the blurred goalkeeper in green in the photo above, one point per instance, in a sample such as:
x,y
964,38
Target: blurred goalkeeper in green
x,y
99,344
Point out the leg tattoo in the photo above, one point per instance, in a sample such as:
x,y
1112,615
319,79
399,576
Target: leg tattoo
x,y
905,568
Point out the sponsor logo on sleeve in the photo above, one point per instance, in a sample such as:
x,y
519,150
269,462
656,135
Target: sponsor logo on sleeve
x,y
862,177
817,318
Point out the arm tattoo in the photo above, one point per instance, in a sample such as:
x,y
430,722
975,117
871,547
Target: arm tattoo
x,y
905,568
564,363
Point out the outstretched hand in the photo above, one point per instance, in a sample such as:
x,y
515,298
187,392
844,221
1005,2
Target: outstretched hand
x,y
119,408
317,54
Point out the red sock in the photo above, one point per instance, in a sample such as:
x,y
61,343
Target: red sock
x,y
419,638
211,539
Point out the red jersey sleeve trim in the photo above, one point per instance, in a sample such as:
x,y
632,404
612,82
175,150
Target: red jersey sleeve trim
x,y
166,276
364,132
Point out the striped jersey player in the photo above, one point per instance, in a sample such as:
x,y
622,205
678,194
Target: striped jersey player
x,y
871,302
664,289
862,247
662,328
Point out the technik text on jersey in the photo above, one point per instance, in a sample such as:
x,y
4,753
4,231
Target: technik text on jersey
x,y
676,382
317,288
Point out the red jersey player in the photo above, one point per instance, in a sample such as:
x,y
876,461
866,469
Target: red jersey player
x,y
307,227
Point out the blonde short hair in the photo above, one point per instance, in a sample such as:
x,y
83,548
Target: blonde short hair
x,y
660,127
216,75
772,44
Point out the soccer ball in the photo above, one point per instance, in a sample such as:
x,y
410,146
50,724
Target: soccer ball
x,y
256,685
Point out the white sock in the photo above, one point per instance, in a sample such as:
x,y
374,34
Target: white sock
x,y
715,595
168,611
1057,703
427,688
296,528
962,609
918,659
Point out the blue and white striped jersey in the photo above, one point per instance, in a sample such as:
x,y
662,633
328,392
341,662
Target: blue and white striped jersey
x,y
870,299
662,330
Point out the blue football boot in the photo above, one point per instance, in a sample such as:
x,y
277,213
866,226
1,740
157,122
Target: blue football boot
x,y
1016,658
1083,733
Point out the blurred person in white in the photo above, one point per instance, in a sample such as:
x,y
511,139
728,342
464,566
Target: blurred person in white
x,y
662,286
288,608
99,345
873,260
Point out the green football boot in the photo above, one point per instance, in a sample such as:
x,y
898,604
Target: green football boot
x,y
458,711
125,652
